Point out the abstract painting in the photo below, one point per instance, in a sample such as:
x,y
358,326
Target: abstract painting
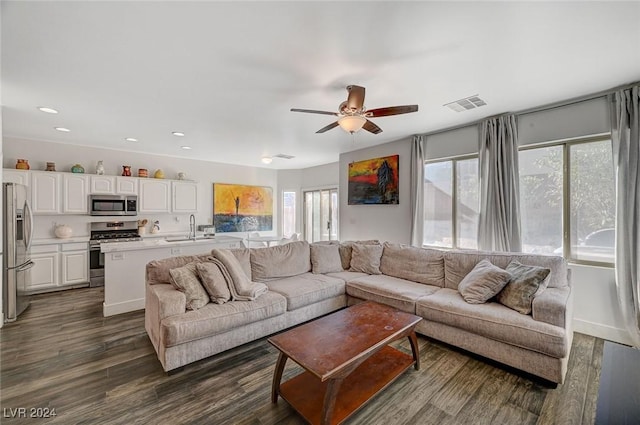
x,y
374,181
241,208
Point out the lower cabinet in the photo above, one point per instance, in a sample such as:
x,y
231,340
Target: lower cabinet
x,y
58,265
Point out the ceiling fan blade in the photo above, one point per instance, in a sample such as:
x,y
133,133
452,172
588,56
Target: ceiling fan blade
x,y
355,101
371,127
313,111
391,110
327,128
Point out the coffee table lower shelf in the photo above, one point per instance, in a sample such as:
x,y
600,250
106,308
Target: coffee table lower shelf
x,y
305,392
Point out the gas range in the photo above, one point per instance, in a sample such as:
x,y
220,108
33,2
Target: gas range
x,y
114,231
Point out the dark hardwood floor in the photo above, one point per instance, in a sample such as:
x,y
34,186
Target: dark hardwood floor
x,y
63,356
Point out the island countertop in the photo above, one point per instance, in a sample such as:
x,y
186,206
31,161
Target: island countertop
x,y
155,243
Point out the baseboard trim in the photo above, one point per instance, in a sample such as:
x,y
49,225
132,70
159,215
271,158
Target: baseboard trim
x,y
599,330
123,307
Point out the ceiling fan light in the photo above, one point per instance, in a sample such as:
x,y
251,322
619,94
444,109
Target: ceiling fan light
x,y
351,123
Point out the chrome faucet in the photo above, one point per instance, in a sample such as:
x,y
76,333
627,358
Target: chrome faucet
x,y
192,227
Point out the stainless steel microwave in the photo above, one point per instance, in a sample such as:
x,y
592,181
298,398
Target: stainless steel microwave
x,y
113,205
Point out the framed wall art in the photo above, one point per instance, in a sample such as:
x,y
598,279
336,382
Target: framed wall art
x,y
374,181
242,208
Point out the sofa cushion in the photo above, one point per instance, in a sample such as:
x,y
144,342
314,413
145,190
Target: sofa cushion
x,y
244,258
347,276
457,264
345,249
214,282
280,261
494,321
422,265
399,293
185,279
157,271
214,319
325,258
526,282
483,282
366,258
307,288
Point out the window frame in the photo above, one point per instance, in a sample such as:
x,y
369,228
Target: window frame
x,y
454,198
566,145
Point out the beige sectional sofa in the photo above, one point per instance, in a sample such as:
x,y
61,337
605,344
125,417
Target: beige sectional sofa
x,y
307,281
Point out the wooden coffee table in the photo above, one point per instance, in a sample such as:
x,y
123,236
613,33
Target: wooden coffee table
x,y
347,360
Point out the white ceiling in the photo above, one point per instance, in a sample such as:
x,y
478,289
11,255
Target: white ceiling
x,y
227,73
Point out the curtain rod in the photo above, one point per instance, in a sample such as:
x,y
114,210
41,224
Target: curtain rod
x,y
547,107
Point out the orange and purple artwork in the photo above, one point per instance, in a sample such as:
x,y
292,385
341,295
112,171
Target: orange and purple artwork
x,y
242,208
374,181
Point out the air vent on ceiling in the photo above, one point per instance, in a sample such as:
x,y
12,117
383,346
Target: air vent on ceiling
x,y
465,104
283,156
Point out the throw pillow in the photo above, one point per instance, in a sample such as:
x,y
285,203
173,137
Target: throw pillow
x,y
366,258
214,282
325,258
185,279
483,282
526,282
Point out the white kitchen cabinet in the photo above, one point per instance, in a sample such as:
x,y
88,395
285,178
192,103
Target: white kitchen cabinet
x,y
74,193
75,267
184,197
45,192
15,176
103,184
127,185
58,265
45,272
154,196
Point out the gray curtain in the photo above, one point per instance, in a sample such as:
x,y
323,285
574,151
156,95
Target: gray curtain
x,y
625,137
417,189
499,221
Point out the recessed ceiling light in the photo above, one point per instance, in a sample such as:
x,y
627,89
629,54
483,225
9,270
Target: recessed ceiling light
x,y
131,139
65,130
186,147
178,133
47,110
266,160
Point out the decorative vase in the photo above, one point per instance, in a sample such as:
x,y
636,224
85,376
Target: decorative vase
x,y
159,174
63,231
22,164
100,168
77,169
182,176
51,166
126,170
142,172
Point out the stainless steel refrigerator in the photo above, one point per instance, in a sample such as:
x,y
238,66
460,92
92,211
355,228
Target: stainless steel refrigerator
x,y
17,234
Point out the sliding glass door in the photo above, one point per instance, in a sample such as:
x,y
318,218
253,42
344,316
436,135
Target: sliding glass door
x,y
321,215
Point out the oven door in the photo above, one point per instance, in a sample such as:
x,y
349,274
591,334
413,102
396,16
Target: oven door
x,y
96,266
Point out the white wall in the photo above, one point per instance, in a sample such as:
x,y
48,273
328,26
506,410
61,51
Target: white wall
x,y
204,172
384,222
596,305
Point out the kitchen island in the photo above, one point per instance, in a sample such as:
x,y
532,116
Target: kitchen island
x,y
125,264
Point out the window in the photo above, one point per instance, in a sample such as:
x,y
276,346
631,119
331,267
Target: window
x,y
321,215
451,216
288,213
568,186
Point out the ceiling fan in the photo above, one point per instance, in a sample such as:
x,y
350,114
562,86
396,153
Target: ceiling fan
x,y
354,116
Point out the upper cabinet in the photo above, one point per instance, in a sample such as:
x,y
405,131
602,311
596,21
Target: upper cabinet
x,y
45,192
113,185
75,188
126,185
185,197
154,196
103,184
15,176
